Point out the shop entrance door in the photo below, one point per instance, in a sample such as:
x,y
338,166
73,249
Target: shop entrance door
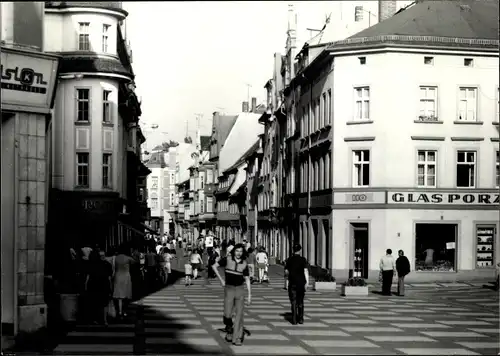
x,y
360,251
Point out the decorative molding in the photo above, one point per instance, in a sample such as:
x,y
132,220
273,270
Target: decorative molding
x,y
427,138
468,139
359,139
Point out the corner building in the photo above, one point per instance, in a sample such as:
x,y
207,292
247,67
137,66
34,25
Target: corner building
x,y
415,157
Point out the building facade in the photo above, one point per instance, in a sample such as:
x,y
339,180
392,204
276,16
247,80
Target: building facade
x,y
433,194
29,84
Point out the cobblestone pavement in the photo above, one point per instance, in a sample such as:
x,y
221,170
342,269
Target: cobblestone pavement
x,y
186,320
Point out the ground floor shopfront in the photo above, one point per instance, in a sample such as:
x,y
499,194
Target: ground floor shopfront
x,y
453,238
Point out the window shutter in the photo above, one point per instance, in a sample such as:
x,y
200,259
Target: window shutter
x,y
83,138
107,140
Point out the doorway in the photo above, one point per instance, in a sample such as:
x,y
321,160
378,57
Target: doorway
x,y
360,249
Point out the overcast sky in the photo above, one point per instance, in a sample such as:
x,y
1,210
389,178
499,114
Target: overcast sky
x,y
197,57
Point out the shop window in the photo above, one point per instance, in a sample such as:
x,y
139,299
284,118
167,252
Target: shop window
x,y
435,247
485,238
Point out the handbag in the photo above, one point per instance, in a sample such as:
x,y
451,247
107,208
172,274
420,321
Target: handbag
x,y
111,309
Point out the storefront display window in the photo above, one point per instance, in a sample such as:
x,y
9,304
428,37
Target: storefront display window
x,y
435,247
484,252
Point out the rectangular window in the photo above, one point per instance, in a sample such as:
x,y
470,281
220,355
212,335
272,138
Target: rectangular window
x,y
467,109
82,169
313,117
308,120
497,169
362,103
329,106
466,169
318,115
83,104
498,105
358,13
154,183
106,170
106,106
84,36
428,104
426,167
361,168
210,203
154,203
105,37
325,110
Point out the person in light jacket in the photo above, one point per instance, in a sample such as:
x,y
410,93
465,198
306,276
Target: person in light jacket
x,y
403,268
387,267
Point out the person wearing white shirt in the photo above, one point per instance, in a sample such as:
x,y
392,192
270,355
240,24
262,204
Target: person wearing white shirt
x,y
387,268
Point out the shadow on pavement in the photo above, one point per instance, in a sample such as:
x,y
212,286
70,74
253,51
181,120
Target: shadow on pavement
x,y
287,317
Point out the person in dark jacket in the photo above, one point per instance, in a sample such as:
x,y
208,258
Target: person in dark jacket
x,y
403,268
297,272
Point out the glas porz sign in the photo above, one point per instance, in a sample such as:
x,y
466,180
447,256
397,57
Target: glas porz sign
x,y
23,79
456,198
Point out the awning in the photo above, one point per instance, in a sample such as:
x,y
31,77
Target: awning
x,y
129,227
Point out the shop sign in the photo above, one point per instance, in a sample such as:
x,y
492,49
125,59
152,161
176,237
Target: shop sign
x,y
359,198
27,79
98,206
442,198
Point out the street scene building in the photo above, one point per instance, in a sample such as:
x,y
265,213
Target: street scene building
x,y
367,162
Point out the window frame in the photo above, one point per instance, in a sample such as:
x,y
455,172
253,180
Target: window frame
x,y
496,172
476,102
426,164
109,167
497,103
362,163
78,165
88,101
467,150
106,106
86,35
153,180
421,101
362,100
105,38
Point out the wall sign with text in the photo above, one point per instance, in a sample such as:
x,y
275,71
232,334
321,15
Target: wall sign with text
x,y
358,198
443,198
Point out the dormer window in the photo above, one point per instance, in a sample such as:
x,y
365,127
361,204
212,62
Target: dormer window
x,y
84,36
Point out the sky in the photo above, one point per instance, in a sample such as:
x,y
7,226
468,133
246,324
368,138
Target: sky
x,y
198,57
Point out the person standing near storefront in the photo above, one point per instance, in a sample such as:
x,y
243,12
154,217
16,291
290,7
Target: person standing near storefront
x,y
297,272
403,268
236,272
387,267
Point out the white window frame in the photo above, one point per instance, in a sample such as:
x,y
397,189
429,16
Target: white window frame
x,y
105,37
84,36
362,114
427,164
359,166
106,107
107,166
154,183
82,165
470,104
424,113
497,103
497,169
473,164
81,99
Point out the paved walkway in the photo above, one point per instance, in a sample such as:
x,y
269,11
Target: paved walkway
x,y
186,320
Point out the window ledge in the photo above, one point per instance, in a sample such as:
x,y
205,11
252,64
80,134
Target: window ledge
x,y
462,122
359,122
108,124
81,187
427,122
468,139
82,123
359,139
495,123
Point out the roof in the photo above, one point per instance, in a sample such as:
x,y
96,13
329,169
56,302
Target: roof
x,y
221,127
474,19
205,143
242,137
156,158
243,158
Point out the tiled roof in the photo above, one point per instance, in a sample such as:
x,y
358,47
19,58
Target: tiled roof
x,y
475,19
110,5
241,138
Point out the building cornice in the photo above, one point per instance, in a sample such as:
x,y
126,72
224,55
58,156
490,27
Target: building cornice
x,y
93,65
112,8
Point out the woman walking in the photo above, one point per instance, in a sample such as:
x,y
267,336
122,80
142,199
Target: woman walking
x,y
261,259
196,262
123,281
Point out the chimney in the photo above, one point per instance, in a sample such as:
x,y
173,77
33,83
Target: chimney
x,y
386,8
254,104
244,106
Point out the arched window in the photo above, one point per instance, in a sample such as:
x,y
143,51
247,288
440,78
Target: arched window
x,y
328,170
321,182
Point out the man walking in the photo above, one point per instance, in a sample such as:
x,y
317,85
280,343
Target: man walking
x,y
387,267
296,269
403,268
236,271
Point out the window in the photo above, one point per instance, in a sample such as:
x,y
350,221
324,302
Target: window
x,y
435,247
426,167
429,60
172,198
361,169
358,13
428,104
106,170
106,106
84,36
498,105
467,104
468,62
154,201
83,104
82,169
329,106
154,183
210,202
312,126
172,178
210,177
362,103
497,174
362,60
318,114
466,169
105,37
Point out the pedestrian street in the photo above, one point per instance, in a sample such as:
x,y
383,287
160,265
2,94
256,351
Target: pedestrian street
x,y
187,320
